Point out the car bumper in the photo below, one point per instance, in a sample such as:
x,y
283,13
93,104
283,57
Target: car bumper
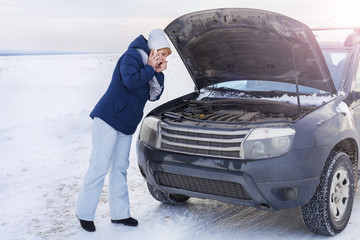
x,y
270,184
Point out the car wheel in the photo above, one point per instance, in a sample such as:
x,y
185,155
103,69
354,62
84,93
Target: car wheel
x,y
328,212
165,197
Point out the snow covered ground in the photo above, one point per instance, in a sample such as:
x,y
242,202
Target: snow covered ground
x,y
45,139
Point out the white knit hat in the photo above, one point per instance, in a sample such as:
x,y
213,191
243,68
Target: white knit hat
x,y
157,39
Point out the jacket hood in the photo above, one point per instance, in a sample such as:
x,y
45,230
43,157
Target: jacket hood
x,y
140,42
222,45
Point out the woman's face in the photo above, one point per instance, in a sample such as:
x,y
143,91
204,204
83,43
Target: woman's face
x,y
162,53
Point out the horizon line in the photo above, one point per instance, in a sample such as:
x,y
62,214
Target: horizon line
x,y
44,52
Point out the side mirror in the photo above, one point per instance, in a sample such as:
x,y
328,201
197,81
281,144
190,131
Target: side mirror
x,y
355,95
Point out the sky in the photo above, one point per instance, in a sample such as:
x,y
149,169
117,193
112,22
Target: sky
x,y
110,25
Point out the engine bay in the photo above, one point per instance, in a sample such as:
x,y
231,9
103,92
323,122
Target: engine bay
x,y
237,111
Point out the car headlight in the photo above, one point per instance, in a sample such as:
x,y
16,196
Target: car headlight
x,y
149,131
268,142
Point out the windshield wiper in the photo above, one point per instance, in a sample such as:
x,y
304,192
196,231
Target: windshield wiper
x,y
174,116
279,93
227,89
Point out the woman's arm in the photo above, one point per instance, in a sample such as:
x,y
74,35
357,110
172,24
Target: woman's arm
x,y
134,74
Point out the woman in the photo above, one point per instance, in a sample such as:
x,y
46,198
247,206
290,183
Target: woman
x,y
137,78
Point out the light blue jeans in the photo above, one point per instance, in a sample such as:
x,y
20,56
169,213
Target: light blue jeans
x,y
110,151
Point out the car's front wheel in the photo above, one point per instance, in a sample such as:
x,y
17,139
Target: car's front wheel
x,y
329,210
165,197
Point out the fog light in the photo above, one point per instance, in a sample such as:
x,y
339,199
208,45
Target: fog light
x,y
264,206
291,193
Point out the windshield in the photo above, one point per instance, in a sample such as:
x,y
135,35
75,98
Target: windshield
x,y
264,86
335,60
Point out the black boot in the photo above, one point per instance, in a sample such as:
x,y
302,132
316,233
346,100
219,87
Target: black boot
x,y
87,225
127,222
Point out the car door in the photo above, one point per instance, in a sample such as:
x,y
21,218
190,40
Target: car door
x,y
355,87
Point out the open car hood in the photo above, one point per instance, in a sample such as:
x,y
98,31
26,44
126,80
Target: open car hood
x,y
222,45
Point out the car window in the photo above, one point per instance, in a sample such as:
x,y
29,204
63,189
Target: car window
x,y
336,61
358,77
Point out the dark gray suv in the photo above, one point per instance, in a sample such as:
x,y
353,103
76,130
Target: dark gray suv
x,y
273,122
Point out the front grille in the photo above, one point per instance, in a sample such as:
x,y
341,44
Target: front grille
x,y
202,185
208,142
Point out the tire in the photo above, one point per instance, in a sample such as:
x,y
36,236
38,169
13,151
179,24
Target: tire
x,y
328,212
165,197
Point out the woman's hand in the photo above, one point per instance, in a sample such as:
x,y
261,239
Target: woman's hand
x,y
153,59
161,66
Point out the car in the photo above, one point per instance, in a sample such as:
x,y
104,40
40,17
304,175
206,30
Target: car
x,y
273,122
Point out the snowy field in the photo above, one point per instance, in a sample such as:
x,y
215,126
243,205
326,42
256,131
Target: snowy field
x,y
45,140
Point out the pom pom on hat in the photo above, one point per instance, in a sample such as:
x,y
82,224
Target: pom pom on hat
x,y
157,39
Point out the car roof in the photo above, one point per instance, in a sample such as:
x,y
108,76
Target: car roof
x,y
329,44
352,39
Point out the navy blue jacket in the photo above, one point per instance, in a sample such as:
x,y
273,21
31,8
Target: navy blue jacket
x,y
123,102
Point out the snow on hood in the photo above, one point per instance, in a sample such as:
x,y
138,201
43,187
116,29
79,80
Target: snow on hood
x,y
342,108
222,45
305,100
